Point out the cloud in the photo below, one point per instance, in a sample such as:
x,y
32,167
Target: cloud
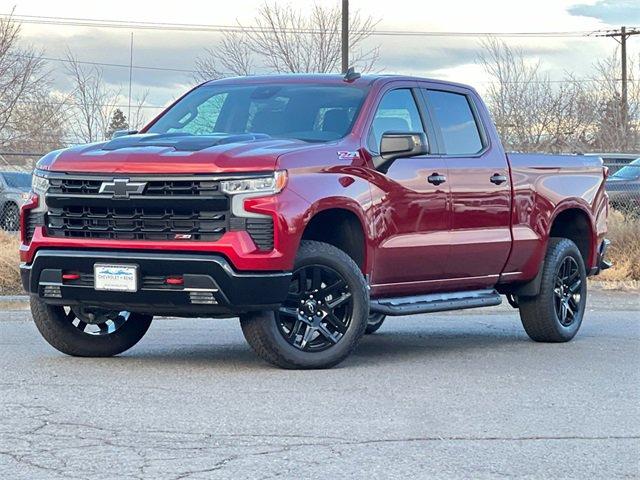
x,y
614,12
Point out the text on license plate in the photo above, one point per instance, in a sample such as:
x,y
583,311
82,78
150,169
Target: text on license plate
x,y
119,278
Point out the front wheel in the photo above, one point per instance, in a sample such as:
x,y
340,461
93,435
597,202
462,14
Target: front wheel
x,y
555,314
88,332
323,317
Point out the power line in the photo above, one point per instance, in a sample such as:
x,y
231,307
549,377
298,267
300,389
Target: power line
x,y
76,104
621,37
104,64
171,69
164,26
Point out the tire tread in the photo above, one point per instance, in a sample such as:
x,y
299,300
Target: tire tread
x,y
253,324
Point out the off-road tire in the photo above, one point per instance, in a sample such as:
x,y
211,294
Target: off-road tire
x,y
538,313
261,331
375,322
61,334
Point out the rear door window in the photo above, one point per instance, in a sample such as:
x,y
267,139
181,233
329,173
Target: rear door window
x,y
456,121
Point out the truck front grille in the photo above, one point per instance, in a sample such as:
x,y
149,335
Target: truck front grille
x,y
189,208
130,223
154,187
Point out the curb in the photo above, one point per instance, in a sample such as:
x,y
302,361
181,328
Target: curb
x,y
14,298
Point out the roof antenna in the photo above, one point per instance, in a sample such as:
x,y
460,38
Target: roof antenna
x,y
351,75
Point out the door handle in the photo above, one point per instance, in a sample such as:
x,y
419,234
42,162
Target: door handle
x,y
498,179
436,179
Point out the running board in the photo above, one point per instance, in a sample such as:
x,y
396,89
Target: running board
x,y
435,302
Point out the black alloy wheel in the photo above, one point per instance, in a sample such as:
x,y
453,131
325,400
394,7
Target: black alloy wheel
x,y
323,316
96,321
567,291
318,310
556,312
86,331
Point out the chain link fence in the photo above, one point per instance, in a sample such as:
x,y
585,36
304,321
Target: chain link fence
x,y
15,183
623,187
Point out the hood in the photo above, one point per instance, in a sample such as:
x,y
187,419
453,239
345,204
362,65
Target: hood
x,y
174,154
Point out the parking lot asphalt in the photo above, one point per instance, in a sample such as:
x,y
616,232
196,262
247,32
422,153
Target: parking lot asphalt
x,y
455,395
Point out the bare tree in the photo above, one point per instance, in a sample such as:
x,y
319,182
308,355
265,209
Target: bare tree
x,y
39,125
139,117
618,127
233,56
531,112
26,108
287,40
91,101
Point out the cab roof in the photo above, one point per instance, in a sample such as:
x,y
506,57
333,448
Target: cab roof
x,y
326,78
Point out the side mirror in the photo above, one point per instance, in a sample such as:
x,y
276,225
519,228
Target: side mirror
x,y
394,145
123,133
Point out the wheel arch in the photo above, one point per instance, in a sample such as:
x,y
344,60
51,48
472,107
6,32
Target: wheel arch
x,y
575,222
342,227
571,220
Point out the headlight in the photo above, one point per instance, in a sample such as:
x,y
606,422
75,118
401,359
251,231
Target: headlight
x,y
39,185
256,185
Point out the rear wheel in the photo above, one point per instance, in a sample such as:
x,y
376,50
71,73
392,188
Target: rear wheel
x,y
555,314
375,322
89,332
323,318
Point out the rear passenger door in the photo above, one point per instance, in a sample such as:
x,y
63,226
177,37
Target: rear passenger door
x,y
480,234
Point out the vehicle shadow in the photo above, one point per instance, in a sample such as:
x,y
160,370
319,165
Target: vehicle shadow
x,y
389,346
385,346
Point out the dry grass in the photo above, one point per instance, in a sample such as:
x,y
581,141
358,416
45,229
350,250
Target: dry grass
x,y
624,252
9,264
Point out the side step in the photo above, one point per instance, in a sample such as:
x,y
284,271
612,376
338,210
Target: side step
x,y
435,302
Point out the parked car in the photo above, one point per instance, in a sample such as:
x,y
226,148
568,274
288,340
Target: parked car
x,y
311,206
614,161
14,191
623,187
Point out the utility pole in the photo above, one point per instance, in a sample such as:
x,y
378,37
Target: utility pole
x,y
130,80
621,37
345,36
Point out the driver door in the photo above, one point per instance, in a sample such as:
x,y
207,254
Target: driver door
x,y
412,215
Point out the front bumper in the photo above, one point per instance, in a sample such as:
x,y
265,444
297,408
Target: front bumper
x,y
211,286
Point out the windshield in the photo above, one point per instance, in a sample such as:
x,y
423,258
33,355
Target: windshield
x,y
309,112
629,172
17,180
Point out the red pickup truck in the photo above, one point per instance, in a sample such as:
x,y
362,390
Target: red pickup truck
x,y
311,206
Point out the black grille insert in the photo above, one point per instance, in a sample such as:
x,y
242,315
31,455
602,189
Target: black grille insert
x,y
32,220
261,231
131,223
163,188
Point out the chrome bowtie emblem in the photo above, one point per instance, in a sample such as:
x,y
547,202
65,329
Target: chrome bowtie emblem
x,y
122,188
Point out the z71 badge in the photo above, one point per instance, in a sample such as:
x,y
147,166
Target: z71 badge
x,y
344,155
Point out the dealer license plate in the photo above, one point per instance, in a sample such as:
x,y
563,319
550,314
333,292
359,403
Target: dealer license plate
x,y
115,278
